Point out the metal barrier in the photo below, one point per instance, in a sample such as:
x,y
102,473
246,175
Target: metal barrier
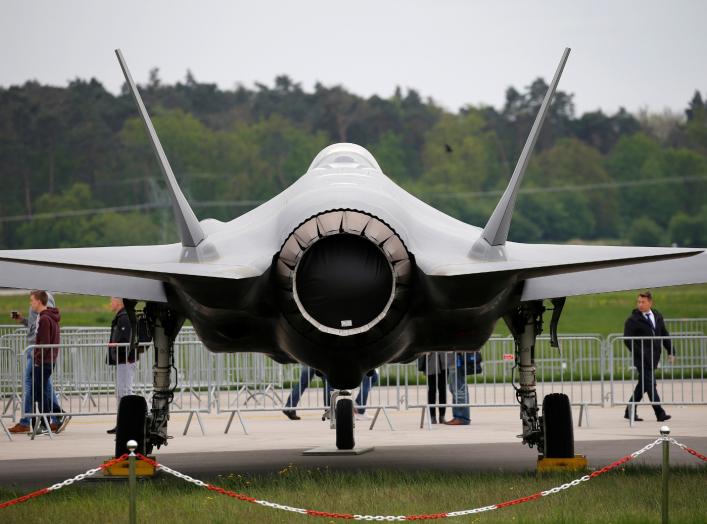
x,y
85,384
685,326
591,370
646,369
576,369
250,382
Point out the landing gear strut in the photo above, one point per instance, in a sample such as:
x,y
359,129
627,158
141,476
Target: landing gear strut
x,y
552,433
134,422
165,325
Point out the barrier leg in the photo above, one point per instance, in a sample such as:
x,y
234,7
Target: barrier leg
x,y
35,430
387,418
375,417
5,430
186,427
583,412
240,419
201,423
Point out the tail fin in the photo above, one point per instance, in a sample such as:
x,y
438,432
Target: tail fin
x,y
496,231
189,228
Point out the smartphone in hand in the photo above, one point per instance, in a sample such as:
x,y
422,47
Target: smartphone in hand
x,y
15,315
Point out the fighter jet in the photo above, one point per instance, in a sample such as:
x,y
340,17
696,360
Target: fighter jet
x,y
345,271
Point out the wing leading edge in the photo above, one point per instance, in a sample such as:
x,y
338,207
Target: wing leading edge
x,y
690,270
26,275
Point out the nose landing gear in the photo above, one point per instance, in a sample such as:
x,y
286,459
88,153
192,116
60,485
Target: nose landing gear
x,y
343,420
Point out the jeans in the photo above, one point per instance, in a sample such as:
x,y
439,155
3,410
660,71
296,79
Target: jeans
x,y
456,378
304,379
41,382
27,406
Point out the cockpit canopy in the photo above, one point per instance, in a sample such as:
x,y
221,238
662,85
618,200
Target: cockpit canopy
x,y
351,156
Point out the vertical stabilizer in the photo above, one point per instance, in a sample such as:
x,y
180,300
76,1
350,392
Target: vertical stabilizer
x,y
189,228
496,231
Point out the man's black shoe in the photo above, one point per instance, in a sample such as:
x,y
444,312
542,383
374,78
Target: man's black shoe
x,y
291,414
112,431
636,418
663,417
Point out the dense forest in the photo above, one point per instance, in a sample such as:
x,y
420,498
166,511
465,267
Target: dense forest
x,y
77,169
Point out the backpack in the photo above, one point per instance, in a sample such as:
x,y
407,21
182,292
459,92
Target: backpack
x,y
144,333
472,362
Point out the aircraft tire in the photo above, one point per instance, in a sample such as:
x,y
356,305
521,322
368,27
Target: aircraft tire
x,y
132,413
344,424
557,426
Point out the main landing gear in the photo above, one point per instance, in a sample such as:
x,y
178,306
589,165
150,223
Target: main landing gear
x,y
551,432
134,421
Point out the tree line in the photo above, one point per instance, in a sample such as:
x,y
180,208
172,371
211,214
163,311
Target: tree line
x,y
77,168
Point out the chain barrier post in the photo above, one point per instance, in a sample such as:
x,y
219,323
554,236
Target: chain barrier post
x,y
664,432
132,480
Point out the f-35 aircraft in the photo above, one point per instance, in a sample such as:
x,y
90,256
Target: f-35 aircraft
x,y
345,271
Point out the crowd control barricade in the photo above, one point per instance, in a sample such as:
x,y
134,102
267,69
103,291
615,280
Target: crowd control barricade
x,y
577,369
250,382
12,369
82,383
686,326
640,368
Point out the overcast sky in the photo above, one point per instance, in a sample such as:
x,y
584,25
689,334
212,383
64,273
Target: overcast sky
x,y
624,53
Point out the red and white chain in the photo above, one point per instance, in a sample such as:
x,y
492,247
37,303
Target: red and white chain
x,y
349,516
393,518
691,451
67,482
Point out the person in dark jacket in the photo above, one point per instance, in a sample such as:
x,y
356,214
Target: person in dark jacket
x,y
120,354
30,322
45,358
647,322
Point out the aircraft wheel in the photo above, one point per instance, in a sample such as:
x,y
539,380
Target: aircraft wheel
x,y
344,424
132,413
557,426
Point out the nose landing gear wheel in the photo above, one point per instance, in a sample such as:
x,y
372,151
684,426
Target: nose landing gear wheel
x,y
132,413
344,424
557,426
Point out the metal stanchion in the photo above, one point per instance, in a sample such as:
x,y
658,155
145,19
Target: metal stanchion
x,y
132,480
664,432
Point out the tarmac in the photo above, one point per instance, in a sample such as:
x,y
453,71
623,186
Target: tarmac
x,y
489,443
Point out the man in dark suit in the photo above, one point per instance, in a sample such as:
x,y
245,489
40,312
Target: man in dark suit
x,y
647,322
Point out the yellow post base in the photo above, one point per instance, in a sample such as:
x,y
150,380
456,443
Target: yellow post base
x,y
578,463
142,469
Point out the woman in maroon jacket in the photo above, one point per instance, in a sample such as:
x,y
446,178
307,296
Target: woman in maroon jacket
x,y
45,357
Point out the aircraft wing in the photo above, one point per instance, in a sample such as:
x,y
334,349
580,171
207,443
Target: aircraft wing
x,y
136,272
35,276
690,270
537,260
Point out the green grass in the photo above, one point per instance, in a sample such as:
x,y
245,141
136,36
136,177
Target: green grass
x,y
603,314
630,495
